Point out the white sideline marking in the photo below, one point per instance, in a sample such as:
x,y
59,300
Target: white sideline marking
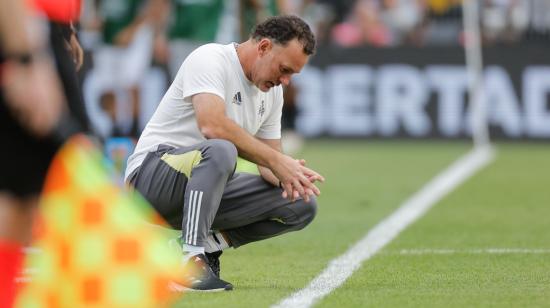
x,y
497,251
342,268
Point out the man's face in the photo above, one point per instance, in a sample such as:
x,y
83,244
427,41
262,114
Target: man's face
x,y
277,63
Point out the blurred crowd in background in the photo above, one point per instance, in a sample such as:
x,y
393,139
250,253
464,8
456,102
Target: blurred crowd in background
x,y
387,23
133,43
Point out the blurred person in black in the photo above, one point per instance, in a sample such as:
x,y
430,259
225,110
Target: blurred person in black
x,y
35,118
30,107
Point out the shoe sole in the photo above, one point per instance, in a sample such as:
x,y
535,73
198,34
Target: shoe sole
x,y
176,287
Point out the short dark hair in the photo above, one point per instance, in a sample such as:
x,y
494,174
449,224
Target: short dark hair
x,y
283,29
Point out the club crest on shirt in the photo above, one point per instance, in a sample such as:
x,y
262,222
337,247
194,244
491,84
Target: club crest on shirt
x,y
262,109
237,99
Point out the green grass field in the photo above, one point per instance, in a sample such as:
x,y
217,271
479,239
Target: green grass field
x,y
440,260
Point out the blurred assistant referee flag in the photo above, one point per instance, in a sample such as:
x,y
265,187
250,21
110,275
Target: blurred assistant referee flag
x,y
95,247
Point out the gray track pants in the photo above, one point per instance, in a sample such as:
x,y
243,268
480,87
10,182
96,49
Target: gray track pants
x,y
195,188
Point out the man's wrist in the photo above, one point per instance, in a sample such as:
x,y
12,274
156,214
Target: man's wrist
x,y
274,159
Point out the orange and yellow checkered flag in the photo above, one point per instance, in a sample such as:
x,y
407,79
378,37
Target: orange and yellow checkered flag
x,y
95,246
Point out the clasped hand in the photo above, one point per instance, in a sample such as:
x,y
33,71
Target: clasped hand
x,y
297,180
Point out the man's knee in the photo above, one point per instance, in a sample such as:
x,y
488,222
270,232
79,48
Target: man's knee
x,y
306,211
223,154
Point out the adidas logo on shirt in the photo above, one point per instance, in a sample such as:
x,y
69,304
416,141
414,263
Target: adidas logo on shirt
x,y
237,99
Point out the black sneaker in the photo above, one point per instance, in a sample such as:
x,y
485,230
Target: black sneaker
x,y
199,277
214,261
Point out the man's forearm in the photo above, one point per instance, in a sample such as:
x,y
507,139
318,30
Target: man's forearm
x,y
248,146
214,124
